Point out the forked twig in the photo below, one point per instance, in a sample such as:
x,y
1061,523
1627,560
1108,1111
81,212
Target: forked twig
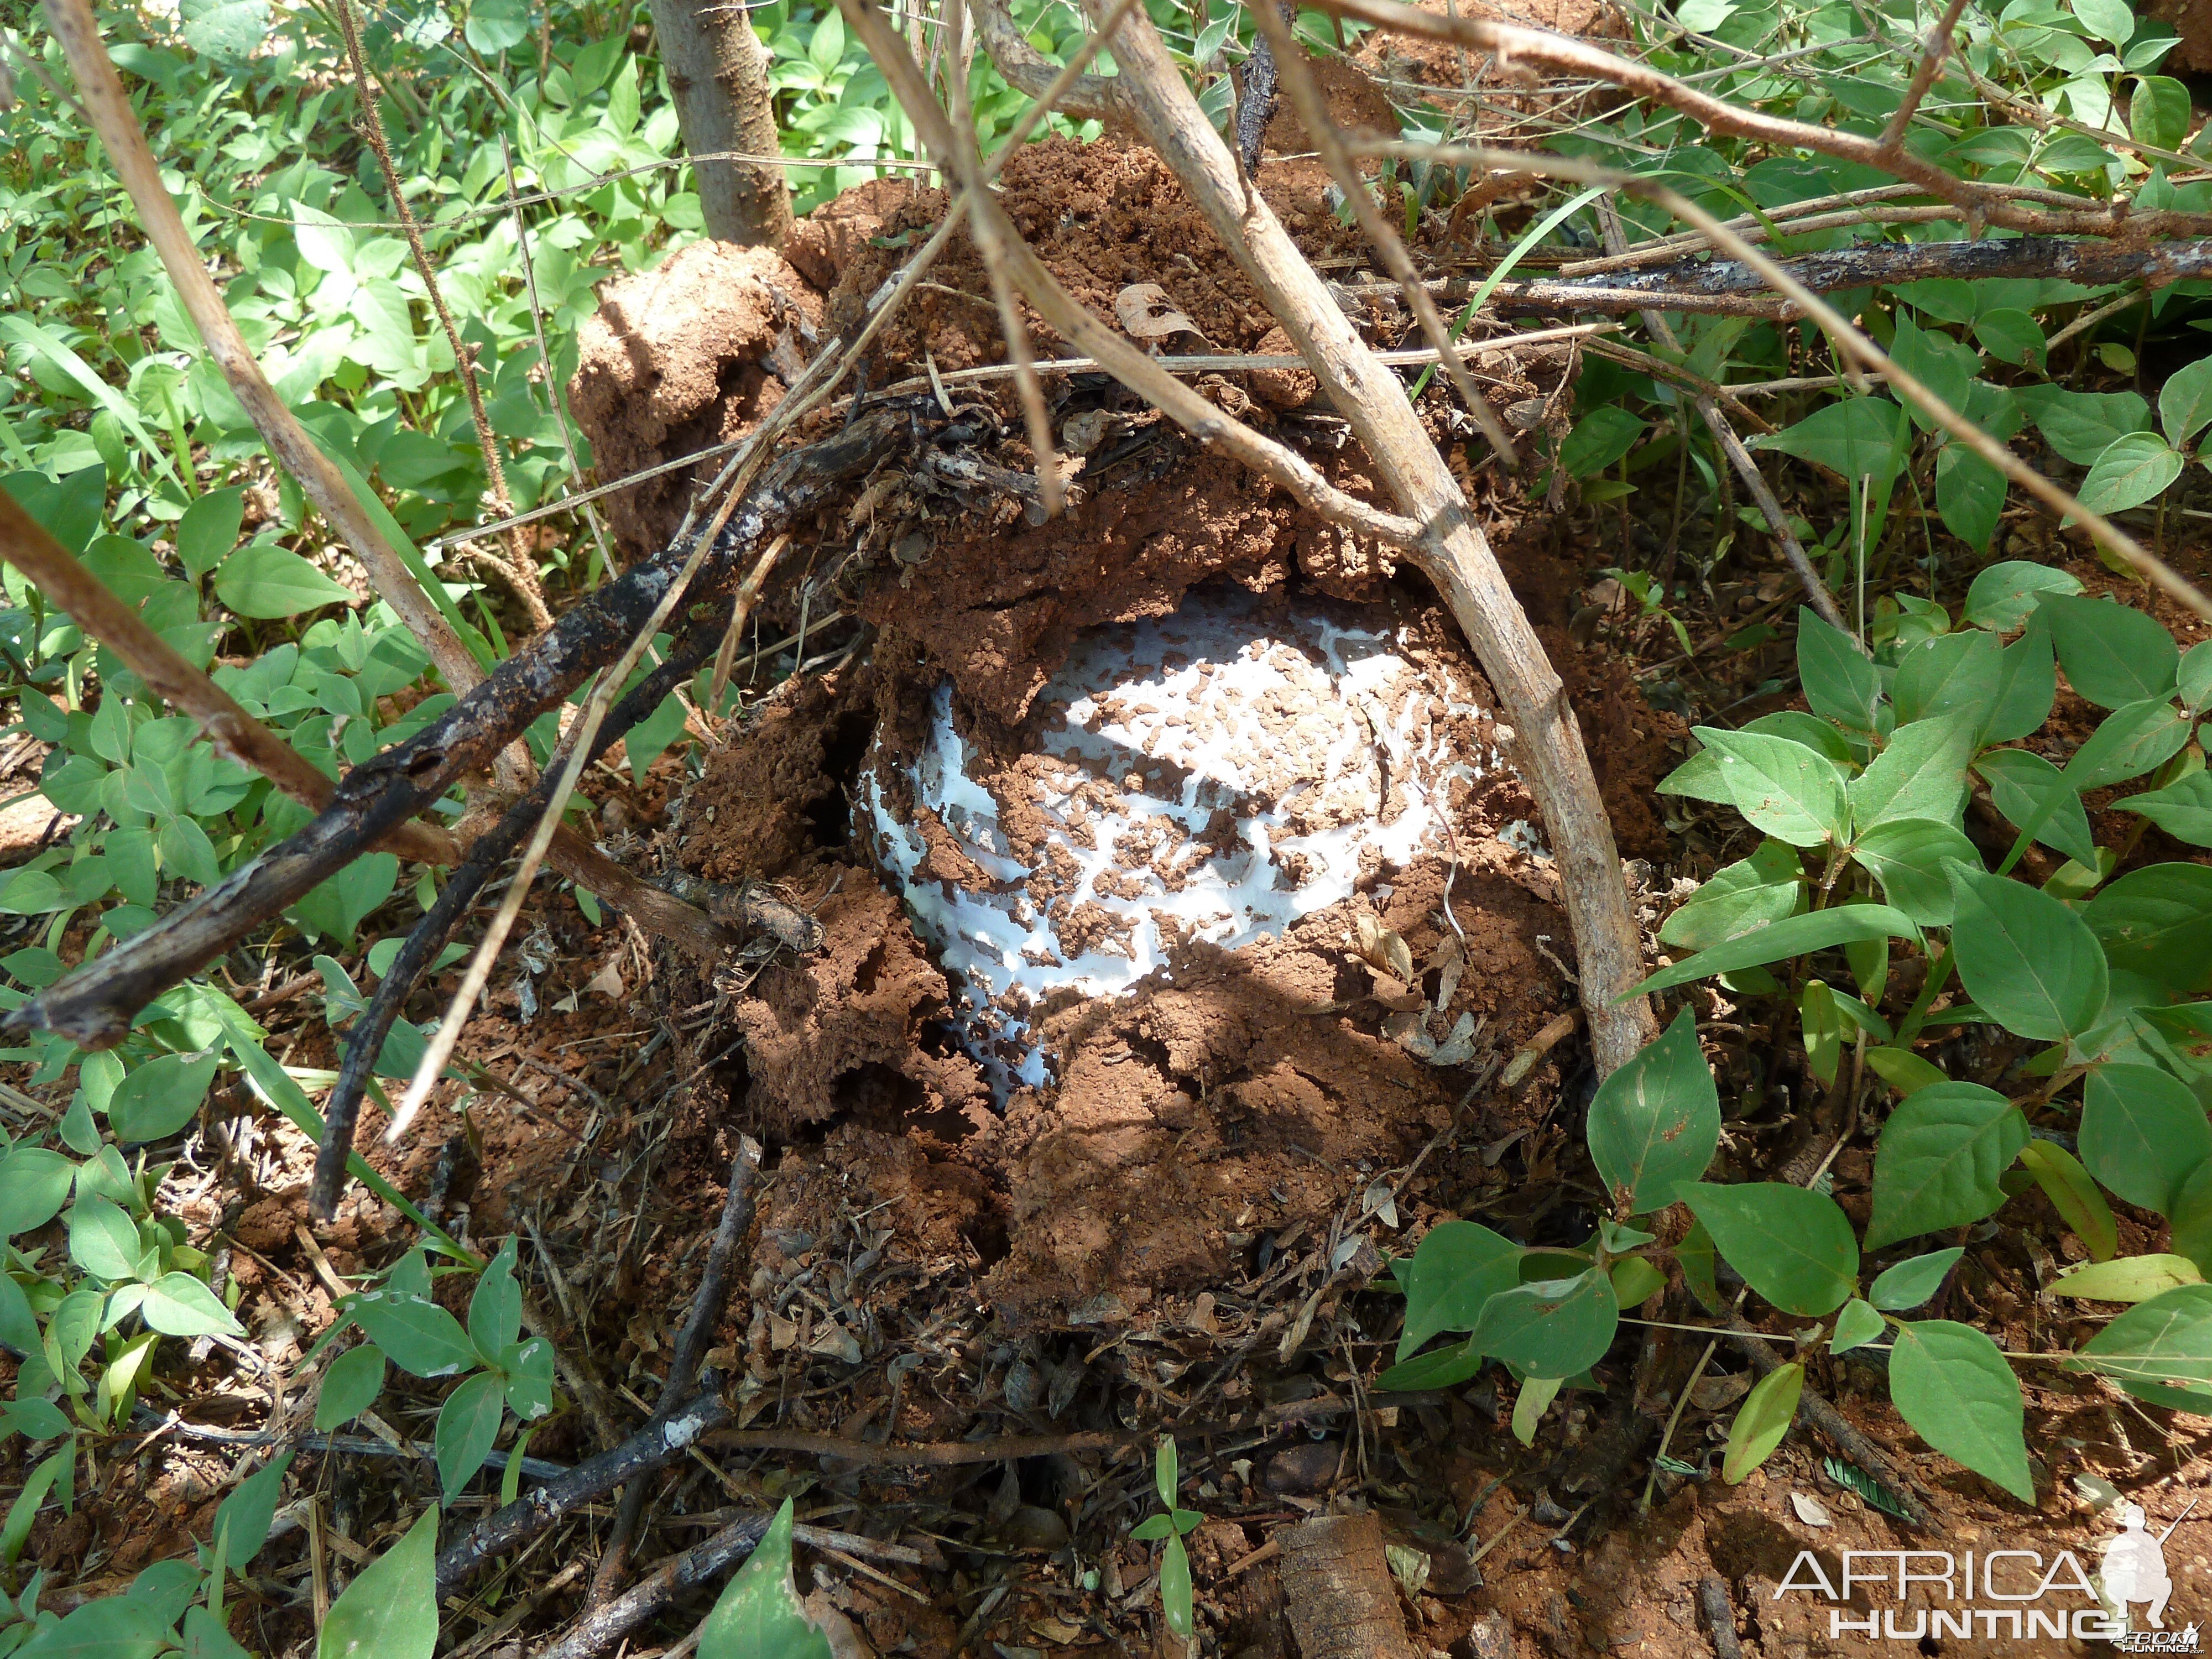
x,y
1739,458
1862,352
1513,43
691,1346
1313,112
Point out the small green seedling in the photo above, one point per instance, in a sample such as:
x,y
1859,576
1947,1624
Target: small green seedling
x,y
1174,1561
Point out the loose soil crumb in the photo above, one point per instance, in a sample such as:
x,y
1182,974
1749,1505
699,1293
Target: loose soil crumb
x,y
693,353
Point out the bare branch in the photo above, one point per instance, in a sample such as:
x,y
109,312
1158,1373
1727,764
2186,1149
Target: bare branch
x,y
1313,112
1739,458
94,1007
1936,49
1861,352
1452,552
1027,70
230,729
1514,46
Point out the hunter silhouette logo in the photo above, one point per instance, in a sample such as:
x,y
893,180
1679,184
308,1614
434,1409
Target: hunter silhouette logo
x,y
2134,1568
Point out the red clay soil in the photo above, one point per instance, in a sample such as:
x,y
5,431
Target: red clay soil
x,y
1251,1092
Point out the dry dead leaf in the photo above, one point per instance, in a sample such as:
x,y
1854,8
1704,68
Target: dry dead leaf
x,y
1810,1510
608,982
1145,311
1383,949
1714,1394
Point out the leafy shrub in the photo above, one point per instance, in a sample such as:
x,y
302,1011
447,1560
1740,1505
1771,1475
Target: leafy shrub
x,y
1861,804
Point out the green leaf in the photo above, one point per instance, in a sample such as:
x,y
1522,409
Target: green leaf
x,y
2192,1217
1907,857
18,1326
1458,1267
1952,673
262,580
2164,1343
493,26
2157,921
1166,1477
1553,1328
2129,1278
1174,1588
1791,792
1536,1398
230,31
2111,19
2028,686
2131,740
1913,1281
1600,438
55,1470
416,1333
1921,771
1952,1385
759,1614
103,1240
2184,403
1795,936
1635,1281
2080,426
468,1423
1839,680
1858,1325
2142,1132
1903,1069
208,530
206,1638
34,1184
1761,1421
245,1517
2011,336
1151,1529
2004,595
1440,1369
2033,794
1793,1246
1653,1124
2073,1196
529,1368
1749,894
1696,1256
2183,808
2113,654
2158,115
157,1099
2024,957
391,1611
1970,496
112,1627
1937,1163
1823,1030
178,1304
1854,438
496,1308
2196,676
349,1387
